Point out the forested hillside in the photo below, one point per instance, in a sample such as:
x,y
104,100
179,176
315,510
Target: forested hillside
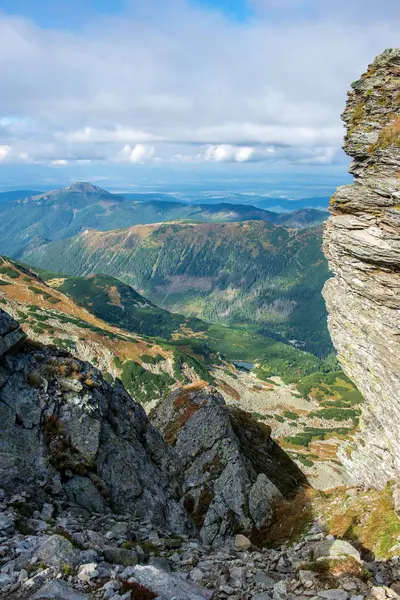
x,y
63,213
252,275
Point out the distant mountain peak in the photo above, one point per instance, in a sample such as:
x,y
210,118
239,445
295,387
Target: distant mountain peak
x,y
83,187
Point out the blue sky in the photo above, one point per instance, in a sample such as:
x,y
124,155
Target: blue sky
x,y
74,13
201,86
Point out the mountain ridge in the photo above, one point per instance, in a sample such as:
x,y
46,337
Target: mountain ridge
x,y
82,206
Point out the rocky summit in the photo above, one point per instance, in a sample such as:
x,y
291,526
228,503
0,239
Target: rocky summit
x,y
362,243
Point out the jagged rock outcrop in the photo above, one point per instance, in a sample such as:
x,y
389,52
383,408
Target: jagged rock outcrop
x,y
362,243
67,434
234,472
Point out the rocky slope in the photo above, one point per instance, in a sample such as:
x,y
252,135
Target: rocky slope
x,y
65,431
362,243
310,427
94,505
234,473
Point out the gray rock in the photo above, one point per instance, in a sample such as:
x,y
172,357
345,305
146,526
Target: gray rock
x,y
261,596
333,594
237,576
6,522
305,576
58,590
362,244
87,572
120,556
120,529
280,591
160,563
5,580
242,542
56,551
350,586
196,575
261,498
47,511
264,580
98,437
227,486
335,549
69,385
82,491
169,586
10,333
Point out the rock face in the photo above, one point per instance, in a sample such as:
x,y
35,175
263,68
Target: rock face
x,y
234,472
362,243
67,434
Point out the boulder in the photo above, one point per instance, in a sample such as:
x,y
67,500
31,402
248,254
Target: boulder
x,y
170,586
87,572
120,556
56,551
58,590
242,542
333,594
335,549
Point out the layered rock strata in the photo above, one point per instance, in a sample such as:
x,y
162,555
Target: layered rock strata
x,y
362,244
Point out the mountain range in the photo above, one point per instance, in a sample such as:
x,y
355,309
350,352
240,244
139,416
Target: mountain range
x,y
60,214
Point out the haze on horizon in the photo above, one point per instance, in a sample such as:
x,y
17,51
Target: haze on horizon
x,y
127,92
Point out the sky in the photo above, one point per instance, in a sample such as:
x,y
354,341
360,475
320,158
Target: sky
x,y
127,89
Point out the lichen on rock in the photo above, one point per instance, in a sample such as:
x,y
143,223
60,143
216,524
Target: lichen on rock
x,y
362,244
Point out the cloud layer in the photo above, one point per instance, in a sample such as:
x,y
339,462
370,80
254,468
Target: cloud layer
x,y
174,82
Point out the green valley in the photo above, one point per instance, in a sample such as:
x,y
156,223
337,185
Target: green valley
x,y
254,276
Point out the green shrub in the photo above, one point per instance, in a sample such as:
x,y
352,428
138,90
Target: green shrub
x,y
143,385
291,415
9,272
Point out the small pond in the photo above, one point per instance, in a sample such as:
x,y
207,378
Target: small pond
x,y
242,364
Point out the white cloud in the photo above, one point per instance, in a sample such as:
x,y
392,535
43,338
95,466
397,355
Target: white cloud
x,y
116,134
137,154
4,152
59,162
228,153
176,83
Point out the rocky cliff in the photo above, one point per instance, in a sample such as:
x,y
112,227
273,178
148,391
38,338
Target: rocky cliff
x,y
68,435
234,473
362,243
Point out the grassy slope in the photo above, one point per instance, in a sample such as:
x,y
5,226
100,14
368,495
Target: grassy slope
x,y
118,304
50,316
